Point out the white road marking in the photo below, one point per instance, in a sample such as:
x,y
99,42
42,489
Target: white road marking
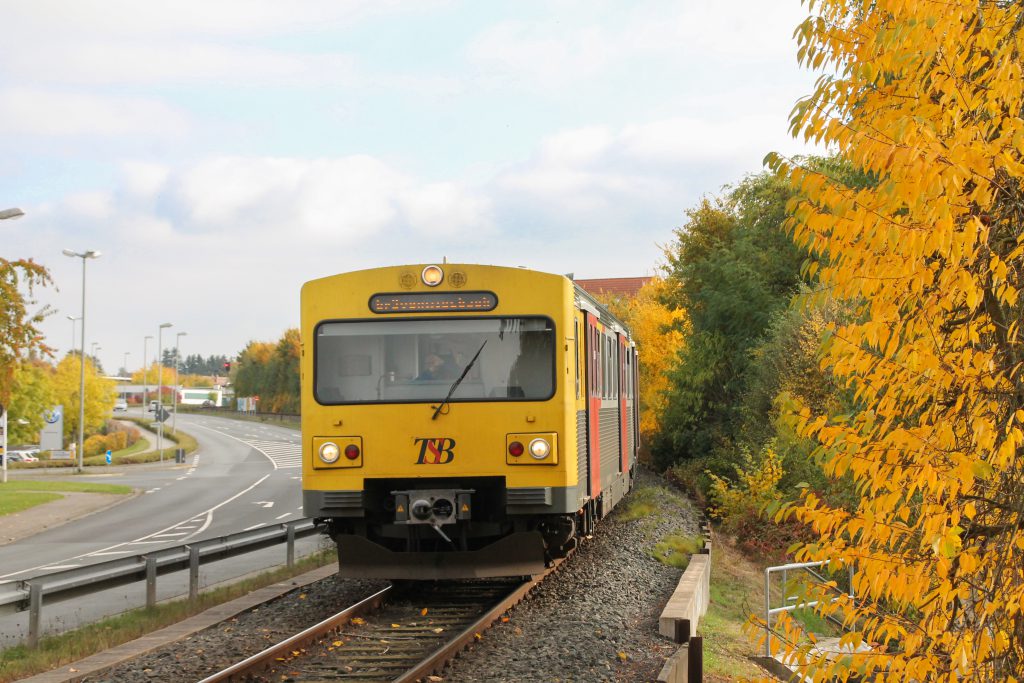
x,y
287,514
284,454
183,533
208,513
56,567
254,526
112,552
264,503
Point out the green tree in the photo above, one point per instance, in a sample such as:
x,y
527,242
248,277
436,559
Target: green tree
x,y
731,269
271,371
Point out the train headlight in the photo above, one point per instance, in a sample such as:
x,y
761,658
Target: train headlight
x,y
432,276
537,449
329,452
540,449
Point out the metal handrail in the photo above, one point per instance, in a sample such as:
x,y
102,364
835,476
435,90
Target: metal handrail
x,y
784,569
28,594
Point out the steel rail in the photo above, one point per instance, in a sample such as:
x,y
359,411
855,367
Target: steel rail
x,y
447,652
282,654
299,641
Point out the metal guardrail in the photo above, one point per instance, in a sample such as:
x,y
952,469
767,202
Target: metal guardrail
x,y
787,605
69,583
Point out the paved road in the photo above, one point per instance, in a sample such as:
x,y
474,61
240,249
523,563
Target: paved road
x,y
243,476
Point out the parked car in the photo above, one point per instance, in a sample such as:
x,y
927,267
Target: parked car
x,y
121,406
21,456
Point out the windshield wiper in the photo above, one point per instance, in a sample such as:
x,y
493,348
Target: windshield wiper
x,y
456,383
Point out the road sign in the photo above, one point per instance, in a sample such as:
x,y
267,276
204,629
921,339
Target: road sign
x,y
161,414
108,457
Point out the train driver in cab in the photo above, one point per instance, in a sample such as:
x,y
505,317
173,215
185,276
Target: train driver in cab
x,y
436,367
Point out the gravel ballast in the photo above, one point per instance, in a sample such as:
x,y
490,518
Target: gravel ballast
x,y
596,619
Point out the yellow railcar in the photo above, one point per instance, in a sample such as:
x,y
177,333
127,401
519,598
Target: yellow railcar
x,y
462,420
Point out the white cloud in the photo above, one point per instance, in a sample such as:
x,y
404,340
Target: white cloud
x,y
447,209
95,62
33,111
143,179
540,54
95,206
221,19
691,39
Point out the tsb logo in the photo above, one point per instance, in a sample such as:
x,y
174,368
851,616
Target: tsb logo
x,y
436,451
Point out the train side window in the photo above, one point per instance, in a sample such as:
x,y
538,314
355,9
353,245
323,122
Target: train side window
x,y
576,350
604,367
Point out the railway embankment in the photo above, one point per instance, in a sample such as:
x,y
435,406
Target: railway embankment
x,y
595,619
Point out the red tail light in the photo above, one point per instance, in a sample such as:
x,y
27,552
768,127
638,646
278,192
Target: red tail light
x,y
352,451
515,449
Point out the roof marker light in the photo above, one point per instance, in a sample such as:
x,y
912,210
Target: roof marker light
x,y
432,276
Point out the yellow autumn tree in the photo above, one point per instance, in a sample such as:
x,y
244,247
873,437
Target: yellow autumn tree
x,y
659,333
100,395
926,96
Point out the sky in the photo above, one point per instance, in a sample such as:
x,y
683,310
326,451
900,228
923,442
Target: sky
x,y
220,154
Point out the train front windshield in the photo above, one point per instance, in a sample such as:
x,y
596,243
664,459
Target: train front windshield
x,y
401,361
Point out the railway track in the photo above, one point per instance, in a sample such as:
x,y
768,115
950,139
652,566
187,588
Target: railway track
x,y
402,633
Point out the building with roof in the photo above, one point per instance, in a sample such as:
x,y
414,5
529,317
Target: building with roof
x,y
614,287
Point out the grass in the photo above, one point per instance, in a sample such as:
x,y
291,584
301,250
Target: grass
x,y
18,501
54,651
653,503
737,591
65,486
676,550
20,495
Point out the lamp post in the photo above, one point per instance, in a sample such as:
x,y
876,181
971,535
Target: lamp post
x,y
160,389
124,364
177,361
145,375
11,214
85,255
73,319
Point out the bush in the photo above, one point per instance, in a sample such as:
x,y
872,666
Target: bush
x,y
743,506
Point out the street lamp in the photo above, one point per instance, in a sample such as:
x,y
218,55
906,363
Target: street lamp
x,y
145,375
81,361
160,389
124,363
11,214
177,361
73,319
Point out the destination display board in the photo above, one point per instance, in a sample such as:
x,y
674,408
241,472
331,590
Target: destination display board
x,y
433,302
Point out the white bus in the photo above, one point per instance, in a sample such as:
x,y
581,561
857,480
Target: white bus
x,y
201,397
